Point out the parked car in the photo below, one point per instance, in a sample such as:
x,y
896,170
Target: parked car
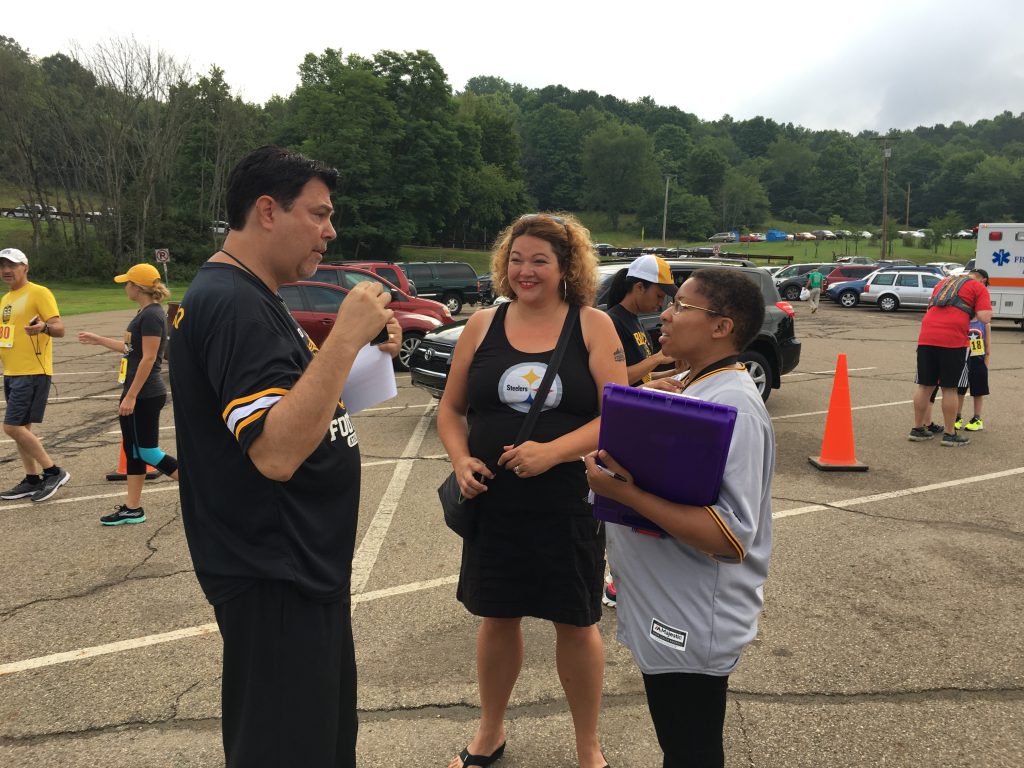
x,y
824,234
845,272
856,260
892,289
453,283
315,307
865,234
946,266
389,270
34,210
964,269
774,352
723,237
789,280
842,234
772,270
804,236
752,237
846,294
604,249
348,277
486,289
219,227
964,234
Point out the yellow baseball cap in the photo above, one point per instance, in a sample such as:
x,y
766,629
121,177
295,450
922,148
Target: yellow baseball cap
x,y
145,275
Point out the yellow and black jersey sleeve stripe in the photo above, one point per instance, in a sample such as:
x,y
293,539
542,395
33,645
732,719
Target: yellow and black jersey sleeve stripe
x,y
740,552
243,411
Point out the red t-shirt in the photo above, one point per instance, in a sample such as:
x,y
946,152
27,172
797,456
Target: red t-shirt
x,y
947,326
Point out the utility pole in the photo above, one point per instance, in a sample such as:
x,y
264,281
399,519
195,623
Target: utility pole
x,y
906,222
886,154
664,213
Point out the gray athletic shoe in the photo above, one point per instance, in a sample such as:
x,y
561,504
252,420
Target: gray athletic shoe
x,y
954,441
21,490
918,434
51,483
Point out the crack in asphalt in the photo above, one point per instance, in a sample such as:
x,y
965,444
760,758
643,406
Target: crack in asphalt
x,y
467,712
961,526
748,746
7,613
149,542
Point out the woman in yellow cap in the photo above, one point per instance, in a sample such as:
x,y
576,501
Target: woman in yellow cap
x,y
144,392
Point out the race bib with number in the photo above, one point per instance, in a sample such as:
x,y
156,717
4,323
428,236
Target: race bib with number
x,y
977,346
6,336
122,374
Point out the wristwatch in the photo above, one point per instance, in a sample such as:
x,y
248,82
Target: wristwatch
x,y
46,329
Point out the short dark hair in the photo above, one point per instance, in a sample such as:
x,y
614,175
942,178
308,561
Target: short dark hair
x,y
732,294
982,272
280,173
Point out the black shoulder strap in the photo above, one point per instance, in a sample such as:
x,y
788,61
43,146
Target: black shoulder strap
x,y
549,375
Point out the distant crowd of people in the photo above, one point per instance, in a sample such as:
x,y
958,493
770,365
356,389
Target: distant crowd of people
x,y
270,466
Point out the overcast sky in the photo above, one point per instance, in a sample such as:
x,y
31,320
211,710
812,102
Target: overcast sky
x,y
869,64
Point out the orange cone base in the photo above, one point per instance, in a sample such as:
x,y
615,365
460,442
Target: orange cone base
x,y
854,466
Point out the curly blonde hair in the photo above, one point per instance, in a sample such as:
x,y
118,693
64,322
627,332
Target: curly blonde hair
x,y
570,241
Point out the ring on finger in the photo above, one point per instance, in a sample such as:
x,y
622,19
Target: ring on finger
x,y
517,470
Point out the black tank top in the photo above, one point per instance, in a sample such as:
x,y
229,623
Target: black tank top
x,y
502,381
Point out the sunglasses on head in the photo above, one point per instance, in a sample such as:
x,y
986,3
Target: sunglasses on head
x,y
528,217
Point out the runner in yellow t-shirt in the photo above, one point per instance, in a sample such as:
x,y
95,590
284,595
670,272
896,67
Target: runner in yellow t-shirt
x,y
29,321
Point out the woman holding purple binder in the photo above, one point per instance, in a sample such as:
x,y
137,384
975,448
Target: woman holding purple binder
x,y
539,551
688,603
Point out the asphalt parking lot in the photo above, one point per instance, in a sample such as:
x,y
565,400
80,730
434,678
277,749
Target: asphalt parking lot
x,y
891,634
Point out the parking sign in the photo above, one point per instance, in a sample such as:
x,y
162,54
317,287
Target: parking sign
x,y
163,255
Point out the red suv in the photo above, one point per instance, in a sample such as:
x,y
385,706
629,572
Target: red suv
x,y
847,272
315,307
347,277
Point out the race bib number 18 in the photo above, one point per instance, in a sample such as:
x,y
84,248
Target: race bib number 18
x,y
977,346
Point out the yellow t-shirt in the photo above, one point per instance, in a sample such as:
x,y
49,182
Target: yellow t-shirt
x,y
21,354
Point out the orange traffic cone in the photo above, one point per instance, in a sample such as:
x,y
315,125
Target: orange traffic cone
x,y
837,452
121,473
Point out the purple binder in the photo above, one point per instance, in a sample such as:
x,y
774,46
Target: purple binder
x,y
674,446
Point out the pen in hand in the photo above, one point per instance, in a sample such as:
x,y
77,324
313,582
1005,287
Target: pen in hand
x,y
607,471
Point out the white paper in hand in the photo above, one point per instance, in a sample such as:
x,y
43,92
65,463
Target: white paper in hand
x,y
371,380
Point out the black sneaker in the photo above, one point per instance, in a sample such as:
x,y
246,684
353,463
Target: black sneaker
x,y
954,441
50,485
123,515
936,428
918,434
22,489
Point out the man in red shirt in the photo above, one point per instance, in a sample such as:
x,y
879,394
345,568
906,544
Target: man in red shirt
x,y
941,351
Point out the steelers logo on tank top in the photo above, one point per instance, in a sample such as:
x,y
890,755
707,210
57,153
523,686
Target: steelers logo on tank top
x,y
519,383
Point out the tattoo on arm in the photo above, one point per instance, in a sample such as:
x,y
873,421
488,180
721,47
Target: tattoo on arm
x,y
619,355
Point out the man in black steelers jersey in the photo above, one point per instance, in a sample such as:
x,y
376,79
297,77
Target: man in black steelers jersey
x,y
269,466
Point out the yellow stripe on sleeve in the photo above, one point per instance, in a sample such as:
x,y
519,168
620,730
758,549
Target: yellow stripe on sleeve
x,y
740,552
249,398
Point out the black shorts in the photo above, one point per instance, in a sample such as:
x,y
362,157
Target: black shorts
x,y
941,366
26,399
288,692
977,377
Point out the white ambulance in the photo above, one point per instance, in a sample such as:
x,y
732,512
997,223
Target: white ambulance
x,y
1001,254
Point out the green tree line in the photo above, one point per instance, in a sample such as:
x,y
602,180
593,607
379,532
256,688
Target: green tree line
x,y
136,150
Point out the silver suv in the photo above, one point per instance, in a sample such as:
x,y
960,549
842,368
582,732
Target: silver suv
x,y
891,290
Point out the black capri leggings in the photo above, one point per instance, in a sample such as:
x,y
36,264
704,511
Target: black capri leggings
x,y
140,435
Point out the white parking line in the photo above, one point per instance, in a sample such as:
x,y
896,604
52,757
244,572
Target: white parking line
x,y
822,373
369,548
897,494
854,408
417,586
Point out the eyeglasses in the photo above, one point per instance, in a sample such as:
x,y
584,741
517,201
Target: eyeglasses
x,y
679,306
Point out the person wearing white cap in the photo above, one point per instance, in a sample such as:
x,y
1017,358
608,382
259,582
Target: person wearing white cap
x,y
639,289
29,321
144,393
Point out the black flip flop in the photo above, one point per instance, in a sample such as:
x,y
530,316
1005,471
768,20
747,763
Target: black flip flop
x,y
481,760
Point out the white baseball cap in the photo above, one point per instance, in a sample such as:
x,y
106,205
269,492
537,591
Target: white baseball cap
x,y
653,269
13,254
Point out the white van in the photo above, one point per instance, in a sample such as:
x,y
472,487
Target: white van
x,y
1001,254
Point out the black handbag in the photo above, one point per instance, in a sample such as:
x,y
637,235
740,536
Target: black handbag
x,y
459,513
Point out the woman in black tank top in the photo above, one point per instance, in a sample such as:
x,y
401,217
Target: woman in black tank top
x,y
539,551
